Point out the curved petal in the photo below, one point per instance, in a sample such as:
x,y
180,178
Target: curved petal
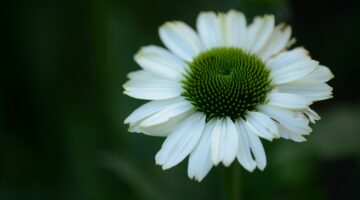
x,y
224,141
291,135
259,32
256,148
151,108
161,62
287,118
161,129
181,39
152,89
211,29
181,142
313,90
244,154
322,74
235,29
278,41
200,159
262,125
294,71
312,115
285,58
290,101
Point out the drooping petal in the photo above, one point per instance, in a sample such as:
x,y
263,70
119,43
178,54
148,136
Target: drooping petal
x,y
262,125
322,74
259,32
181,39
244,154
161,62
151,108
293,71
312,115
181,141
161,129
278,41
287,57
256,148
152,89
167,113
224,141
290,101
313,90
235,29
200,159
211,29
287,118
291,135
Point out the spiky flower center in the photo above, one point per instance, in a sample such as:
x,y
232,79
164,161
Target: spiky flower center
x,y
226,82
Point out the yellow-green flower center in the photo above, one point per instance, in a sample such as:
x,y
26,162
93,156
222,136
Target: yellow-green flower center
x,y
226,82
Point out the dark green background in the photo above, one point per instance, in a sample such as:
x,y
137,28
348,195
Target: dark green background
x,y
62,109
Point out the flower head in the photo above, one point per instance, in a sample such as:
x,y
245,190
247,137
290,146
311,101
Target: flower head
x,y
215,92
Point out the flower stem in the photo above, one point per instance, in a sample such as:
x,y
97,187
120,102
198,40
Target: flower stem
x,y
233,179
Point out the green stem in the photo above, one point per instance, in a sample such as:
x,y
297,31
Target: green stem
x,y
233,179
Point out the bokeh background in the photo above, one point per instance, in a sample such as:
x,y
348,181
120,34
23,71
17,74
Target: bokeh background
x,y
62,105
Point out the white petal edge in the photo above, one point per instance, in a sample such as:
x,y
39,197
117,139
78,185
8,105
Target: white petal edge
x,y
210,28
292,120
277,41
161,62
151,108
256,148
152,89
290,101
262,125
235,29
181,39
244,153
293,71
258,33
311,89
224,141
181,142
200,159
322,74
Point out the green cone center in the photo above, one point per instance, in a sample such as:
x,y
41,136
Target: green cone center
x,y
226,82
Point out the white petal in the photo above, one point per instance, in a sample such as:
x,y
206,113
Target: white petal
x,y
151,108
167,113
224,141
181,142
244,154
235,29
161,129
181,39
211,28
256,148
262,125
288,134
152,89
286,58
200,159
313,90
161,62
322,74
287,118
258,33
277,41
291,101
293,71
312,115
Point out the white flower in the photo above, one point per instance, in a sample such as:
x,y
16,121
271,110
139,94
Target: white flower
x,y
215,92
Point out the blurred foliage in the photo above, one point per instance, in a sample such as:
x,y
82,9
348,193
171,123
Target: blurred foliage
x,y
62,108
